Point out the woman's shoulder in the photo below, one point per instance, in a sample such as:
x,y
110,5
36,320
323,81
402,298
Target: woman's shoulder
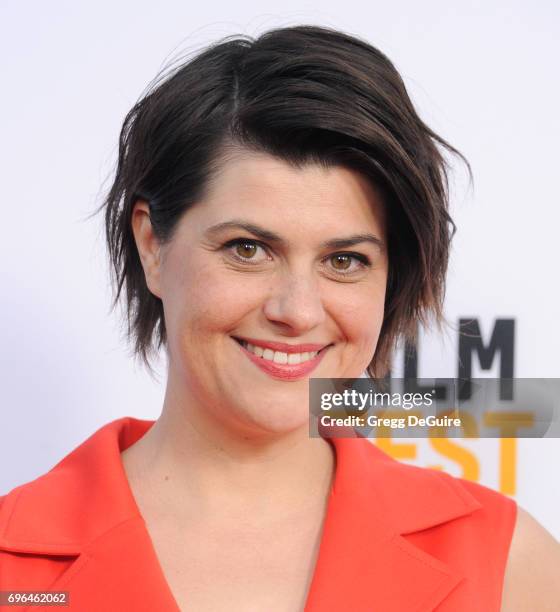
x,y
46,523
491,519
493,504
411,490
503,549
492,523
77,474
428,518
73,483
533,567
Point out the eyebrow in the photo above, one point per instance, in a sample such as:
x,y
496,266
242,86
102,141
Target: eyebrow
x,y
273,237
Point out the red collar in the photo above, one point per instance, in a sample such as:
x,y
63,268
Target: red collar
x,y
84,507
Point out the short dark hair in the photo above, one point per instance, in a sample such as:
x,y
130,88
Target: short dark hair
x,y
304,94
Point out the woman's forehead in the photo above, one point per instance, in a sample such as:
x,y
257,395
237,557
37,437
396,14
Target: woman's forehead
x,y
258,183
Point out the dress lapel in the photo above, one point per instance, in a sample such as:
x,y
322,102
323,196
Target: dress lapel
x,y
119,571
365,562
84,509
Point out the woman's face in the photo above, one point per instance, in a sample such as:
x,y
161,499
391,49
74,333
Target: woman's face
x,y
279,255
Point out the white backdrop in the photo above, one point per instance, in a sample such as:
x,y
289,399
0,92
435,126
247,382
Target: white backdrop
x,y
484,75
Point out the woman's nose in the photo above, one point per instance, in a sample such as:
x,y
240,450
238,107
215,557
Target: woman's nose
x,y
296,303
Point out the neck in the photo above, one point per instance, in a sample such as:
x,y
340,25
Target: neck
x,y
189,464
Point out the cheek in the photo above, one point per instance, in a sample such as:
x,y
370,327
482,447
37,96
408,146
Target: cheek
x,y
366,329
206,298
360,316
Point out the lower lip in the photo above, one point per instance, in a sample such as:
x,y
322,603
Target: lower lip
x,y
285,371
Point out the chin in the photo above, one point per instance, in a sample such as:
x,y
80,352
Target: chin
x,y
277,421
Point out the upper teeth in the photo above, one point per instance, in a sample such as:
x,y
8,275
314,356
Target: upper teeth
x,y
279,356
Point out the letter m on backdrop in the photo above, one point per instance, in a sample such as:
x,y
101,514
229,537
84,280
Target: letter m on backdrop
x,y
470,341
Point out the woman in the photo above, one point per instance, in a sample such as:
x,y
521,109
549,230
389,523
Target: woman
x,y
279,211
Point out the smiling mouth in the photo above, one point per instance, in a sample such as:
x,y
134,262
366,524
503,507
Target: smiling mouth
x,y
280,357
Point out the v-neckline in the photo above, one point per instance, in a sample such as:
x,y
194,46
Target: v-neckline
x,y
311,583
82,515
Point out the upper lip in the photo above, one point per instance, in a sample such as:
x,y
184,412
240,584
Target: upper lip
x,y
282,346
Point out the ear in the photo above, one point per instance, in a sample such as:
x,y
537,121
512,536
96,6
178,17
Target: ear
x,y
149,247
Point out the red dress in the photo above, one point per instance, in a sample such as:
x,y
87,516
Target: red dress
x,y
396,537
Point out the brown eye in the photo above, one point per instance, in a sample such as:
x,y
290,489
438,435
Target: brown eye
x,y
346,264
246,250
341,262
